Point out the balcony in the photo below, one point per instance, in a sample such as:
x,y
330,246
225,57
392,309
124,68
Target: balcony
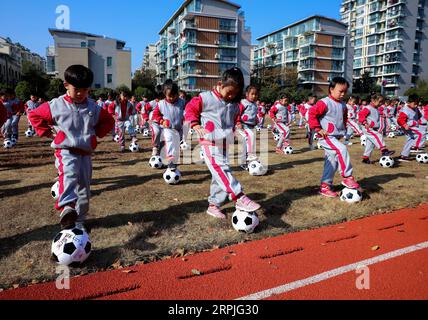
x,y
226,28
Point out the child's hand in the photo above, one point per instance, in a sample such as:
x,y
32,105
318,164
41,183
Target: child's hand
x,y
323,133
367,126
200,131
166,124
239,126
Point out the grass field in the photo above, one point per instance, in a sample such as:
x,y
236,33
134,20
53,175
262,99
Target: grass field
x,y
136,218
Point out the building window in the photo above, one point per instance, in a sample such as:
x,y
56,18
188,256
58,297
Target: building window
x,y
83,44
109,61
91,43
109,78
97,86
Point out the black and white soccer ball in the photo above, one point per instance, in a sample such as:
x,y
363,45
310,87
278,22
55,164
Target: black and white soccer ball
x,y
351,195
134,147
202,155
71,247
276,137
116,138
394,127
363,140
29,133
146,132
184,146
14,141
391,135
191,132
269,127
256,168
288,150
422,158
7,144
156,162
258,129
172,176
387,162
245,221
55,190
319,146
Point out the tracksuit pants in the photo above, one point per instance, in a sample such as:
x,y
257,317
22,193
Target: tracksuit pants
x,y
156,135
6,129
249,148
336,158
75,174
423,131
374,139
414,139
261,121
172,145
121,131
352,128
284,132
15,126
224,185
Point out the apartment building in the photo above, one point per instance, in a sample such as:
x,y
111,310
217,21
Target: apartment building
x,y
390,41
13,58
318,48
108,58
202,39
149,60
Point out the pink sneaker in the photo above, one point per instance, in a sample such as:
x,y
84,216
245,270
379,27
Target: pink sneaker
x,y
350,183
215,212
246,204
327,192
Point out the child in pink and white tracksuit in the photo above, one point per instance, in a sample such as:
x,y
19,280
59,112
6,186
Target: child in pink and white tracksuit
x,y
31,104
280,116
352,127
169,115
214,116
328,118
371,120
154,127
248,114
77,121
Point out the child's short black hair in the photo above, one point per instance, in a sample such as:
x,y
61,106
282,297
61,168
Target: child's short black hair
x,y
251,87
159,92
170,86
283,97
376,97
234,77
311,96
413,98
79,76
338,80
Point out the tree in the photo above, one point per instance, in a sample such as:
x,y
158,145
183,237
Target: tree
x,y
144,80
123,88
55,89
37,80
23,90
143,92
421,90
366,85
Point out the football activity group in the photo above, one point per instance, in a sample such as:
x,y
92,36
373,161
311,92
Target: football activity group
x,y
210,122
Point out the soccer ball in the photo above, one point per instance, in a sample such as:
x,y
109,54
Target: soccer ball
x,y
422,158
55,191
29,133
156,162
184,146
319,146
391,135
14,141
394,127
351,195
172,176
255,168
276,137
146,132
134,147
71,246
363,140
245,221
288,150
387,162
7,144
258,129
269,126
191,132
202,155
116,138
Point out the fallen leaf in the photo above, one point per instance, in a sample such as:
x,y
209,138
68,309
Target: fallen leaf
x,y
35,281
196,271
184,259
116,265
375,248
15,286
129,271
1,290
130,223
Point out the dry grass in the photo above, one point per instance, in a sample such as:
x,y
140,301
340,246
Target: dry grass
x,y
136,218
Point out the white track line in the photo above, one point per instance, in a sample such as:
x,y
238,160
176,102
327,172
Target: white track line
x,y
333,273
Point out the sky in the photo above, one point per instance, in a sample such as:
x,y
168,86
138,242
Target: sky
x,y
138,22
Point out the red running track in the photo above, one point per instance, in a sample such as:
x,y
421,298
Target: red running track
x,y
314,264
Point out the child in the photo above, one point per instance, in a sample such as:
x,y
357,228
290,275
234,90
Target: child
x,y
312,99
110,98
261,114
279,115
122,109
214,116
248,114
155,128
77,121
169,114
370,118
3,113
408,119
100,101
328,118
423,122
18,111
351,126
140,110
31,104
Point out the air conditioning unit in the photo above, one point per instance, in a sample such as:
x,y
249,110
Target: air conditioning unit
x,y
198,71
217,42
197,54
217,56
